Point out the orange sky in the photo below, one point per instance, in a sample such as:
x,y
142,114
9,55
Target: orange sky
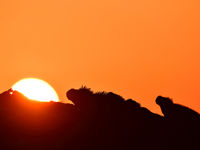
x,y
138,49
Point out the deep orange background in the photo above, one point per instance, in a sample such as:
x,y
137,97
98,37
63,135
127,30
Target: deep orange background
x,y
139,49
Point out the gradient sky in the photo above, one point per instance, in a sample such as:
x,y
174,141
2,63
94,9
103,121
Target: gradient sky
x,y
139,49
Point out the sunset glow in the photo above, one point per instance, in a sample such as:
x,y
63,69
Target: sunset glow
x,y
138,49
36,89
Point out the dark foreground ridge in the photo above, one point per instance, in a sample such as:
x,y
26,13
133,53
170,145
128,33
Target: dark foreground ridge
x,y
96,121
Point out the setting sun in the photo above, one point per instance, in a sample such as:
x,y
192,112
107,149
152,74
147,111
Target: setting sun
x,y
36,89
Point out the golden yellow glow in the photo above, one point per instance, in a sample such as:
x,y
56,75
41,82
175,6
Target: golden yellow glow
x,y
36,89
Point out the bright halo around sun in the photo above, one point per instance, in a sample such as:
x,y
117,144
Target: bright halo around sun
x,y
36,89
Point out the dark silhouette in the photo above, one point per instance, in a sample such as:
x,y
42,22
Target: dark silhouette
x,y
95,121
183,121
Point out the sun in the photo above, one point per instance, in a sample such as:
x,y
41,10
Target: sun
x,y
36,89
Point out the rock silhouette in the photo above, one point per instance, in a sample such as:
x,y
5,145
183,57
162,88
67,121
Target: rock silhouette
x,y
101,120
